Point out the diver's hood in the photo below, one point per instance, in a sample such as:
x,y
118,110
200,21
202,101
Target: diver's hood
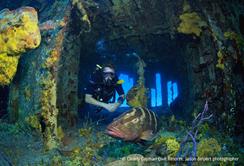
x,y
108,70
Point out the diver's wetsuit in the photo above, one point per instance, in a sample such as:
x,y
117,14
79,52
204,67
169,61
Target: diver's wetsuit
x,y
102,92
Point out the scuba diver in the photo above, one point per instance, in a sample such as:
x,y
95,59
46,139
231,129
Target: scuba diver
x,y
102,87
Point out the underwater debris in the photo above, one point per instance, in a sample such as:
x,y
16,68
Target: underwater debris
x,y
141,124
19,32
137,95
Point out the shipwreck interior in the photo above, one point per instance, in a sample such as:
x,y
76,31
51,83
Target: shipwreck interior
x,y
168,77
184,58
165,77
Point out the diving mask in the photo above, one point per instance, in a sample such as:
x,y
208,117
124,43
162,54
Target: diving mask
x,y
108,75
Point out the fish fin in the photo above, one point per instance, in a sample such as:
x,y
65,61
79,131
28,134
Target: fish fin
x,y
147,135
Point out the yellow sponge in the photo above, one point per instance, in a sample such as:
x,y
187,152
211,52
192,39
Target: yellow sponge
x,y
19,32
8,67
191,23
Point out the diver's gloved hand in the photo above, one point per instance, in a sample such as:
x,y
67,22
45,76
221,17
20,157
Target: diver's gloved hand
x,y
112,106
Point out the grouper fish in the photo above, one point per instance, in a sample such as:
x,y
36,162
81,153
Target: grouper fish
x,y
137,124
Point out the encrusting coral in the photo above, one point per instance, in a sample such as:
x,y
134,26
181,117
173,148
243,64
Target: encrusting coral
x,y
48,97
220,63
52,60
83,13
165,145
19,32
136,97
8,67
49,112
162,139
60,133
191,23
34,122
172,147
120,7
27,93
208,148
87,154
234,36
85,132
